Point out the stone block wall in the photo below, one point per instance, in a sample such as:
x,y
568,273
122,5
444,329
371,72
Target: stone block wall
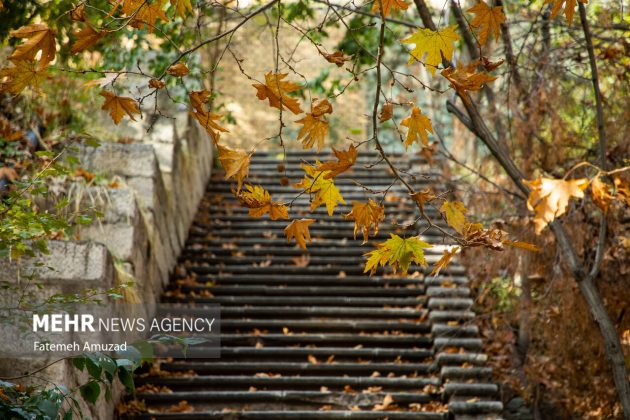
x,y
142,231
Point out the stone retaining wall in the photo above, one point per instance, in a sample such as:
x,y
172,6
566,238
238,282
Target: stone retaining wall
x,y
143,229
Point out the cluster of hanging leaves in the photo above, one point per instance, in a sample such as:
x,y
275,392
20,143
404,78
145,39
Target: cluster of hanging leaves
x,y
431,48
549,198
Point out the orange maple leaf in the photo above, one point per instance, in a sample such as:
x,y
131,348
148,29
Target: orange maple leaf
x,y
207,121
275,90
258,201
338,58
418,125
39,38
387,112
466,79
422,197
182,7
78,13
446,258
86,38
488,20
118,106
569,8
178,70
366,215
235,162
156,84
299,229
147,14
198,99
345,160
388,5
128,7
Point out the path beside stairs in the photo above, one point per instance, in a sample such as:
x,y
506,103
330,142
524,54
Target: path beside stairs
x,y
307,335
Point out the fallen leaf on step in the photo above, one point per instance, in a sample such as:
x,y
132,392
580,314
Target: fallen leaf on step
x,y
387,401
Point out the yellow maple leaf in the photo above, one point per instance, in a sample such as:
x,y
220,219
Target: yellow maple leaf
x,y
86,38
128,7
315,125
118,106
522,245
235,162
366,215
466,78
298,229
418,125
258,201
39,37
198,99
275,90
182,7
345,160
601,194
147,14
549,198
487,19
398,253
325,191
569,8
388,5
446,258
455,213
22,74
434,44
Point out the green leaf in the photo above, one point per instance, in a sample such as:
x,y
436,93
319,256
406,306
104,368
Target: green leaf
x,y
398,253
90,391
79,362
107,363
126,378
93,368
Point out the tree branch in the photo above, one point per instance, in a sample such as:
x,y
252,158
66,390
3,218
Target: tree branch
x,y
364,13
219,36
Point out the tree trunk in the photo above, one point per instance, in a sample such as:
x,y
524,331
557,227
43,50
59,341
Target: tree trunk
x,y
610,339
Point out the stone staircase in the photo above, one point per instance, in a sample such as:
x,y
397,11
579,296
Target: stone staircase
x,y
307,335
